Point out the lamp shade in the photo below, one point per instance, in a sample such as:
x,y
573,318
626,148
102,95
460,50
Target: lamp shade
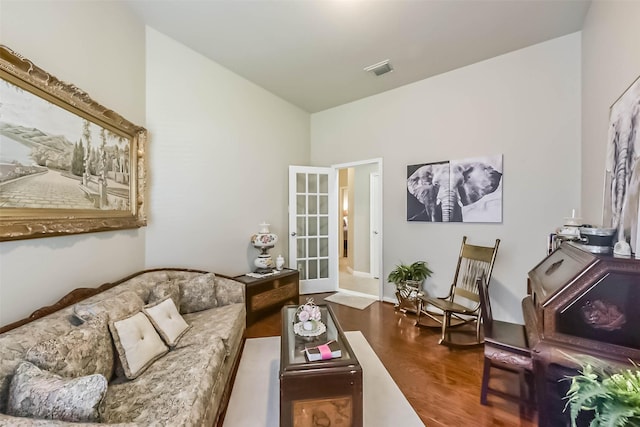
x,y
264,238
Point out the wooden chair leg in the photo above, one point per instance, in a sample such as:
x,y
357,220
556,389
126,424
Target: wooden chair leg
x,y
524,395
531,393
419,312
446,323
485,381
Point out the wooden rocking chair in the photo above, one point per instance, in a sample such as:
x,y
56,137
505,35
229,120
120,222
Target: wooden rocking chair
x,y
462,305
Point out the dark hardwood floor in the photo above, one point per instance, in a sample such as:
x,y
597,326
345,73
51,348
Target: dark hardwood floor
x,y
442,384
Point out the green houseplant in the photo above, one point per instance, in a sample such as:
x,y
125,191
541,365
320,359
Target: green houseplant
x,y
612,398
408,278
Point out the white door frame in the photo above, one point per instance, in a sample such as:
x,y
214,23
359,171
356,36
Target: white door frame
x,y
377,161
342,192
374,224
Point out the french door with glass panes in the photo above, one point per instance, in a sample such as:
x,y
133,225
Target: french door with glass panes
x,y
313,225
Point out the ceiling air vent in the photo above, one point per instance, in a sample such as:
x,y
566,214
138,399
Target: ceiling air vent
x,y
380,68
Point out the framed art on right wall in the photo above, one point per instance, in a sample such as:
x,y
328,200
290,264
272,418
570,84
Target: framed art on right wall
x,y
622,170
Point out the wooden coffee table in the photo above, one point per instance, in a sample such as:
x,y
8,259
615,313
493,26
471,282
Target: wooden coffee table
x,y
325,392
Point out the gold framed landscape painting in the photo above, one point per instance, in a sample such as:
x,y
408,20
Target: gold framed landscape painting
x,y
68,165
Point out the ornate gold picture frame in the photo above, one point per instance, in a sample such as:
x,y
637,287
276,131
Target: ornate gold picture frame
x,y
68,165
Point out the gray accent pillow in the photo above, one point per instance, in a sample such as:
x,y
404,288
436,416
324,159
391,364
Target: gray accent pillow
x,y
137,343
198,294
229,291
116,307
163,290
84,350
35,393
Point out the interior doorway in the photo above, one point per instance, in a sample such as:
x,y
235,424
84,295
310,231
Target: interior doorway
x,y
360,228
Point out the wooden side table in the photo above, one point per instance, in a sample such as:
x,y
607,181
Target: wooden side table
x,y
266,295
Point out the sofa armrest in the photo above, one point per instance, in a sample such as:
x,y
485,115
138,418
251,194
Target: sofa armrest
x,y
229,291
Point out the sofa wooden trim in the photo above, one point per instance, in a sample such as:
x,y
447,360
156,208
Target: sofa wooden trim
x,y
228,387
80,294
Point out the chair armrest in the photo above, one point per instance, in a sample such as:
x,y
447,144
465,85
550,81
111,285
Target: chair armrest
x,y
449,295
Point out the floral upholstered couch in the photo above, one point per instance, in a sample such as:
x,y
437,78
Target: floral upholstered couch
x,y
83,365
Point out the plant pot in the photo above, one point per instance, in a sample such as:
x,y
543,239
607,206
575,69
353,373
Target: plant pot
x,y
407,295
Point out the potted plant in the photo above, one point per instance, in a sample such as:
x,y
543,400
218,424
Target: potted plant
x,y
612,399
408,278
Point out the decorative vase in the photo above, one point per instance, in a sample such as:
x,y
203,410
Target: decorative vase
x,y
308,325
280,262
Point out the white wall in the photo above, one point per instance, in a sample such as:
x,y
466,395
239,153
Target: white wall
x,y
220,147
524,105
610,63
99,47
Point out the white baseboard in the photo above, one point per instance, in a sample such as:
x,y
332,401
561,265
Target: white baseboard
x,y
358,294
359,273
392,300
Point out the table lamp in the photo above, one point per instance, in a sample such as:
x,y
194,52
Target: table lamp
x,y
264,240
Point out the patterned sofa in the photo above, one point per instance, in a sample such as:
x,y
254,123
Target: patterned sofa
x,y
186,385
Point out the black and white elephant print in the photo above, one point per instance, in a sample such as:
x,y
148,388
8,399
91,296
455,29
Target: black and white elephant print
x,y
623,167
422,185
445,188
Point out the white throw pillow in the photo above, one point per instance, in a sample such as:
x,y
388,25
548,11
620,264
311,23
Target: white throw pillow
x,y
165,318
137,342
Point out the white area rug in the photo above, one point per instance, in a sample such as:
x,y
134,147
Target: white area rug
x,y
255,398
350,300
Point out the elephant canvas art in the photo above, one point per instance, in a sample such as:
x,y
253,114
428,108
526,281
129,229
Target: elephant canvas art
x,y
468,190
622,175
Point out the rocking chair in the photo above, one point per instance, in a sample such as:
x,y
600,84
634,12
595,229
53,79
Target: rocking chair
x,y
462,305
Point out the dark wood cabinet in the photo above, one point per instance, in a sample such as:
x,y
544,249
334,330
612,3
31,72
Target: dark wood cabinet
x,y
266,295
581,304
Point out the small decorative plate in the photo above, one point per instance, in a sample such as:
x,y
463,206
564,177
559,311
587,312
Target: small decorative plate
x,y
318,329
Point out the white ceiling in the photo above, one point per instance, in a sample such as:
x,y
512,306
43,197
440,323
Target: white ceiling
x,y
312,52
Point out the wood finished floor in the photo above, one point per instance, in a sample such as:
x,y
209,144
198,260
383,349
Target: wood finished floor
x,y
441,384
